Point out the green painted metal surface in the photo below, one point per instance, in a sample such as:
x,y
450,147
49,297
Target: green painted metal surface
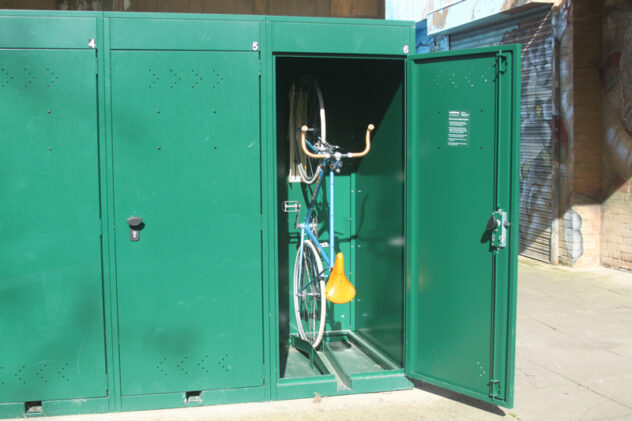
x,y
459,317
25,31
185,127
207,397
185,134
341,36
218,34
57,407
50,252
379,214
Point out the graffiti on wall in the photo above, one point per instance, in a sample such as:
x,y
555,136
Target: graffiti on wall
x,y
616,78
571,241
536,157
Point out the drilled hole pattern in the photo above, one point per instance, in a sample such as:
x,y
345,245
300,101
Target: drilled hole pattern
x,y
187,365
184,78
224,364
27,77
43,373
461,78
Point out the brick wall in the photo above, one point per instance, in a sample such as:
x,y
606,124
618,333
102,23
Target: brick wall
x,y
569,237
578,35
588,143
616,79
617,228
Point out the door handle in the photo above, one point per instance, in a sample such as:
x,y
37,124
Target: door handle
x,y
135,225
497,225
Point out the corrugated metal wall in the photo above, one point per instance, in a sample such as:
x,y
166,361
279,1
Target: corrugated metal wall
x,y
534,32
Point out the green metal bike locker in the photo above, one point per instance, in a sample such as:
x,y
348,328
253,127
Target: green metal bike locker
x,y
146,257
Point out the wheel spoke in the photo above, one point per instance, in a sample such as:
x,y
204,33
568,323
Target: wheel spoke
x,y
308,298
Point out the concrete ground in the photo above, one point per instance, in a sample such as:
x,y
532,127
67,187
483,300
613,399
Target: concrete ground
x,y
574,362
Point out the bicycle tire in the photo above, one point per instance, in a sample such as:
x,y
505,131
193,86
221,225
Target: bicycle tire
x,y
309,111
310,303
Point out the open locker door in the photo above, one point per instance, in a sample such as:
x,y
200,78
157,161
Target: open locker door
x,y
462,220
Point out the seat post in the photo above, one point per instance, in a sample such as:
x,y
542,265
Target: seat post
x,y
331,218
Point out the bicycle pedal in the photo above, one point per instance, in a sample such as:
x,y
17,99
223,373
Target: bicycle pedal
x,y
291,206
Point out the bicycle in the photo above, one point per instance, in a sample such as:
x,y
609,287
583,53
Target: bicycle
x,y
319,159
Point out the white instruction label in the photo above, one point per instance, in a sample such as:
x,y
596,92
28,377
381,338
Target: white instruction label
x,y
458,128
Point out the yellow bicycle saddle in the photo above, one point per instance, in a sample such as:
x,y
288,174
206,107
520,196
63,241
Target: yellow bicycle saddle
x,y
338,289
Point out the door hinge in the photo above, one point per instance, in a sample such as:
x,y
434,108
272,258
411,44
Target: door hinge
x,y
497,225
501,64
494,389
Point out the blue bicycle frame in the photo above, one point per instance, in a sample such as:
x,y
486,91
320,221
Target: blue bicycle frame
x,y
330,163
305,228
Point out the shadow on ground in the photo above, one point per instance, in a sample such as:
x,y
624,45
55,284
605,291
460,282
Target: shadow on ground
x,y
457,397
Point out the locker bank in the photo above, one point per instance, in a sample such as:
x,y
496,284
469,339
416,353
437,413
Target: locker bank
x,y
150,227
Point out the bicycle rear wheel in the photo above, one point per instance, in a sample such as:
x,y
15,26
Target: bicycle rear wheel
x,y
309,294
310,111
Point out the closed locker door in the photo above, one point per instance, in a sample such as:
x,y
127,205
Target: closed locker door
x,y
187,162
51,286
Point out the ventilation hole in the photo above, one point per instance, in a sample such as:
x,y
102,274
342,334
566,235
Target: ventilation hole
x,y
193,396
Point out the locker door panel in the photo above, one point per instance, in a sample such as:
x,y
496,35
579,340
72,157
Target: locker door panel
x,y
462,153
51,284
187,161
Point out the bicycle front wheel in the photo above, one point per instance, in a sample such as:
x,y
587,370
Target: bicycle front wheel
x,y
309,294
310,111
